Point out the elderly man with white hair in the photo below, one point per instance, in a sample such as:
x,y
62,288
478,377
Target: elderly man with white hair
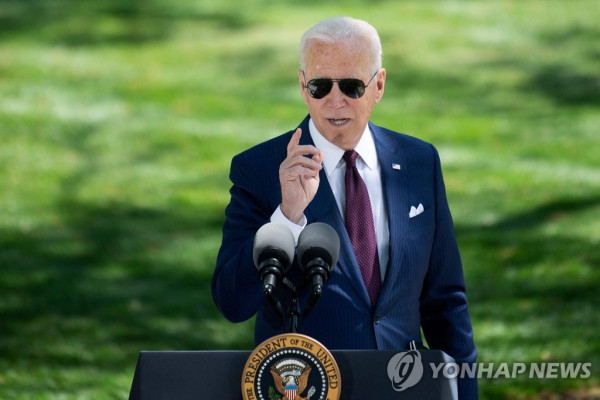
x,y
399,269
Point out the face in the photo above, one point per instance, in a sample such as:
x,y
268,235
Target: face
x,y
341,119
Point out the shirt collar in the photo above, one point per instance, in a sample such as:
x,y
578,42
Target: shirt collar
x,y
332,154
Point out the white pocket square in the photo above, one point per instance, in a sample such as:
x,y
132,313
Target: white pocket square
x,y
415,211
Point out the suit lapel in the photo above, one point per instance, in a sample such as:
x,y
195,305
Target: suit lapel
x,y
394,189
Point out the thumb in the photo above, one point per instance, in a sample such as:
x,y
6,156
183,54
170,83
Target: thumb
x,y
318,157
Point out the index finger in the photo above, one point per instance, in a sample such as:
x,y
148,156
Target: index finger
x,y
295,140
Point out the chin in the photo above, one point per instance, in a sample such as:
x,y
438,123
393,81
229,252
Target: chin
x,y
345,141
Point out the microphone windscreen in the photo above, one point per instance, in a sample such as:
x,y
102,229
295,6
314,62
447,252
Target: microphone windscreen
x,y
274,240
318,240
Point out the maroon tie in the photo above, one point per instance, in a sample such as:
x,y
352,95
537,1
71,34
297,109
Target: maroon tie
x,y
360,227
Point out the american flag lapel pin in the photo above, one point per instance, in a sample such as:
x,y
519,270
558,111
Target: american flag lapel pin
x,y
396,166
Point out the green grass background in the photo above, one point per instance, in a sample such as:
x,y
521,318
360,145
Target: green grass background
x,y
118,120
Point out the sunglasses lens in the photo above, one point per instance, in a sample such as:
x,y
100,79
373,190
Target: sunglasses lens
x,y
353,88
319,88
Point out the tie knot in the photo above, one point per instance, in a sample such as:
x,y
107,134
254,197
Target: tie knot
x,y
350,157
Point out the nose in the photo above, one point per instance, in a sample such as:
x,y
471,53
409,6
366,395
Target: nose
x,y
336,98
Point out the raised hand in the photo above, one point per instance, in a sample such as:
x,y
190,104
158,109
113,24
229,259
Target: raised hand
x,y
299,177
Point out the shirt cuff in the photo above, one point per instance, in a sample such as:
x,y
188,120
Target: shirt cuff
x,y
295,228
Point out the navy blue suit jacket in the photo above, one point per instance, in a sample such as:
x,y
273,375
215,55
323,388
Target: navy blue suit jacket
x,y
423,286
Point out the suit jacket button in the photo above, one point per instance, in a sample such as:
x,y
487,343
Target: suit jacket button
x,y
377,319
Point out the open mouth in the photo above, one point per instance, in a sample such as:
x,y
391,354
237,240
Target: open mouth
x,y
338,121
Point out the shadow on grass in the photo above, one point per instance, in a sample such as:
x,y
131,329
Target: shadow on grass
x,y
107,22
566,86
105,280
515,245
533,296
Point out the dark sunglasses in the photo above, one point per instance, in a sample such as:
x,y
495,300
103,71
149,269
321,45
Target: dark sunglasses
x,y
351,87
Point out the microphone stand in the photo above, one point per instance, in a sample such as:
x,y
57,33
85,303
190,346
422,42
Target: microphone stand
x,y
293,311
318,269
294,318
293,314
289,318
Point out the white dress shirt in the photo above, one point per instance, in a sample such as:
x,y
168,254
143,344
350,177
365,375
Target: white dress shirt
x,y
335,168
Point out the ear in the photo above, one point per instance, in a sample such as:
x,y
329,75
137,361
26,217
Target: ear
x,y
381,74
302,88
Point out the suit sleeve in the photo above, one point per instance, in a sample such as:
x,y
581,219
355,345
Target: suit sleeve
x,y
236,287
444,311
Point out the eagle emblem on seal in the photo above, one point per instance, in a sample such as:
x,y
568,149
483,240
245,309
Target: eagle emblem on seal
x,y
291,379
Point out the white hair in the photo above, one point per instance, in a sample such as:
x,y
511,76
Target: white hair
x,y
340,30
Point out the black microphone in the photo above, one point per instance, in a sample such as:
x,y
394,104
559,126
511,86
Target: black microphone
x,y
318,251
273,253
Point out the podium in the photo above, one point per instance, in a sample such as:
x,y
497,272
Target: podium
x,y
217,375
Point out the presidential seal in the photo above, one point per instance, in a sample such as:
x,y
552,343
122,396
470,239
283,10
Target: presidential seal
x,y
291,367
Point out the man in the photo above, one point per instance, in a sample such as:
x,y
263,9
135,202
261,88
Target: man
x,y
399,268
